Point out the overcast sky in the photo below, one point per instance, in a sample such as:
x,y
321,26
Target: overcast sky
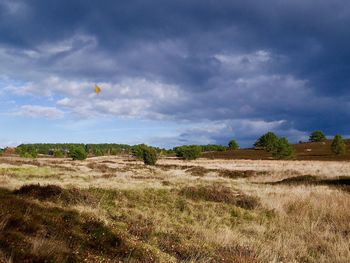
x,y
173,72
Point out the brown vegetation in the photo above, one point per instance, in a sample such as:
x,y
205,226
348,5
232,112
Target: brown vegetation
x,y
109,209
304,151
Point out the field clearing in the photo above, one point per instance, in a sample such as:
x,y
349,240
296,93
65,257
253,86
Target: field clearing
x,y
111,209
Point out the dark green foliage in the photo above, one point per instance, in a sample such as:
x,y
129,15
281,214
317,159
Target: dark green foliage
x,y
317,136
149,155
267,141
47,148
233,145
279,147
94,149
212,148
338,145
146,153
28,152
188,152
137,150
29,155
78,153
283,150
58,154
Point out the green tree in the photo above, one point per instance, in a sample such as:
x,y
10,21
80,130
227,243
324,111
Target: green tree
x,y
29,155
267,141
212,148
27,152
233,145
78,153
317,136
188,152
137,150
283,150
338,145
149,156
58,154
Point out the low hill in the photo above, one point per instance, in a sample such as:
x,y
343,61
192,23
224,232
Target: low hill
x,y
304,151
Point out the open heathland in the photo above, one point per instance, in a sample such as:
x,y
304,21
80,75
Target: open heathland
x,y
116,209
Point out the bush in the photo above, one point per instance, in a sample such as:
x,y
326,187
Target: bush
x,y
317,136
58,154
29,155
283,150
28,152
137,150
268,141
149,156
213,148
78,153
233,145
338,145
188,152
98,152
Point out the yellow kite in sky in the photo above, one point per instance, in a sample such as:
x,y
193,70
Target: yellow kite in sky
x,y
97,89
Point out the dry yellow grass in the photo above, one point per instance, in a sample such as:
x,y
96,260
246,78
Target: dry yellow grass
x,y
154,205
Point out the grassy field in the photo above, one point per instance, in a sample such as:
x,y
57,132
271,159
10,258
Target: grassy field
x,y
115,209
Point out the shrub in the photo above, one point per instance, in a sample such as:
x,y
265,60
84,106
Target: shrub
x,y
137,150
78,153
149,155
317,136
113,152
98,152
213,148
267,141
220,194
27,152
188,152
338,145
233,145
58,154
29,155
283,150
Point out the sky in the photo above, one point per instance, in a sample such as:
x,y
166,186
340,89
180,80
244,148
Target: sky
x,y
173,72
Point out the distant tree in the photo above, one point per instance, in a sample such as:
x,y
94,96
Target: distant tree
x,y
213,148
188,152
58,154
98,152
149,156
267,141
137,150
29,155
283,150
338,145
78,153
27,152
317,136
233,145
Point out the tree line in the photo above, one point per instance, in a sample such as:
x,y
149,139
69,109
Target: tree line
x,y
279,147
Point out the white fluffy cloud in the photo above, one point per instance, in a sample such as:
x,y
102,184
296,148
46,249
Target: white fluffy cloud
x,y
36,111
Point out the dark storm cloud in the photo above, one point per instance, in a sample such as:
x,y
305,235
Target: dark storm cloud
x,y
258,60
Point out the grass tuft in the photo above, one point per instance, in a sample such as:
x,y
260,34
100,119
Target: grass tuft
x,y
220,194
